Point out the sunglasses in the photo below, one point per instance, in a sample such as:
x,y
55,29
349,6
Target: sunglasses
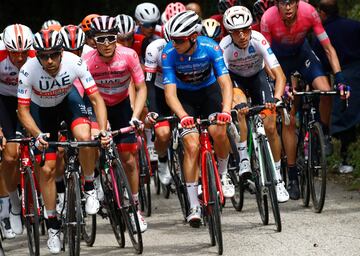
x,y
245,31
46,56
105,38
149,25
18,54
287,2
179,40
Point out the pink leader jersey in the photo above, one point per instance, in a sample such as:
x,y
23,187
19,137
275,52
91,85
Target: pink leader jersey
x,y
113,78
286,41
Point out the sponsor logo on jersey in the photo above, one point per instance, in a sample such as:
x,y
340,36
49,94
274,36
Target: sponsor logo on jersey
x,y
269,51
50,85
251,49
24,73
13,73
216,47
263,42
236,54
181,58
163,56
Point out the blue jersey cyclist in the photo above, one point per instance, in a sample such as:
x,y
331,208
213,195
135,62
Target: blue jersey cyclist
x,y
197,84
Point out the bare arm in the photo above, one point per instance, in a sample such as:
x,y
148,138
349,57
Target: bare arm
x,y
27,120
173,101
226,91
332,57
280,81
140,98
100,109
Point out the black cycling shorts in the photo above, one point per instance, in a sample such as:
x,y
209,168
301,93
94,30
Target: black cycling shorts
x,y
157,102
8,116
257,87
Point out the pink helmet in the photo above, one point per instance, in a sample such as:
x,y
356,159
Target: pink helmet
x,y
173,8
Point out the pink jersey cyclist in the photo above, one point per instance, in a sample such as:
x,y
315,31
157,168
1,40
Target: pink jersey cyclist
x,y
113,78
285,41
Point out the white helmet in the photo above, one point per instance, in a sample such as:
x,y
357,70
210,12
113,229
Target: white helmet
x,y
147,13
125,24
184,24
73,37
237,17
166,28
211,28
163,18
17,38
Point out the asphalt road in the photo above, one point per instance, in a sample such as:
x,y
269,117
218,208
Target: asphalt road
x,y
336,231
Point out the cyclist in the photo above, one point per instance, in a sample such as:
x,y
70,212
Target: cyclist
x,y
212,29
128,38
244,53
15,49
113,67
157,104
190,63
285,26
172,9
147,17
44,85
259,7
86,27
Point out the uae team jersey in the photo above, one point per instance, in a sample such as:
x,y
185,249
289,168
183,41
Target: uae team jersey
x,y
9,73
195,71
250,60
36,85
287,41
113,77
153,60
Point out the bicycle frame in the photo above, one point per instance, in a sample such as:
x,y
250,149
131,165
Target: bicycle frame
x,y
205,146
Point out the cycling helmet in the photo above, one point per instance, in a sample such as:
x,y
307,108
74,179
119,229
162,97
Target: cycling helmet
x,y
184,24
73,37
163,18
48,40
125,24
174,8
104,24
147,13
211,28
51,24
17,38
167,32
223,5
86,22
237,17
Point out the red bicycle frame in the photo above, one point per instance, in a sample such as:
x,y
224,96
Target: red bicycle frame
x,y
205,146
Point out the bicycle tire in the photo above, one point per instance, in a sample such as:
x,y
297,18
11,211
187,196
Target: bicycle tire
x,y
31,217
213,208
317,167
111,209
73,214
144,182
156,179
128,207
302,167
89,235
270,179
261,198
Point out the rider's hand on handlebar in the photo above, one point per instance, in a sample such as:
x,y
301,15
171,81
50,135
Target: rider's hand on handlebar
x,y
243,108
344,91
41,142
223,118
151,118
187,122
136,123
105,138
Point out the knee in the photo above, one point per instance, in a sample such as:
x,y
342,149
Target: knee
x,y
192,148
163,136
270,128
219,134
83,136
10,158
48,172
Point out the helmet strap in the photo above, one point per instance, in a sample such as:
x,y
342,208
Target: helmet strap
x,y
192,44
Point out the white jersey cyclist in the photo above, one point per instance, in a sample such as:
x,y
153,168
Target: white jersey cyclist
x,y
250,60
9,72
153,60
46,91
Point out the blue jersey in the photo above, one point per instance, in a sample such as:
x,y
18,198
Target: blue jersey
x,y
195,71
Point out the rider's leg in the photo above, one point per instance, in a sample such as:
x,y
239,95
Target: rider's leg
x,y
162,139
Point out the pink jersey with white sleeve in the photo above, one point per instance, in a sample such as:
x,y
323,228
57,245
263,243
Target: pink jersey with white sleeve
x,y
286,41
113,78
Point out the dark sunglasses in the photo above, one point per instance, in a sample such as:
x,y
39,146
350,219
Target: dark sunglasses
x,y
17,54
179,40
149,25
245,31
46,56
289,2
102,39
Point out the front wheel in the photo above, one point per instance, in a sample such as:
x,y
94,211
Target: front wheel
x,y
317,167
89,229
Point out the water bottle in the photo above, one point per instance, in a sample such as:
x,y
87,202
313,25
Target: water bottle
x,y
306,146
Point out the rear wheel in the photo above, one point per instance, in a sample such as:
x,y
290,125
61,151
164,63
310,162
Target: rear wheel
x,y
302,167
73,214
213,208
144,182
89,229
317,167
31,217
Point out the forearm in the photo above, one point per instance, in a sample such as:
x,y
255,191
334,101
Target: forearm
x,y
140,100
173,101
100,110
226,91
27,121
333,58
280,81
